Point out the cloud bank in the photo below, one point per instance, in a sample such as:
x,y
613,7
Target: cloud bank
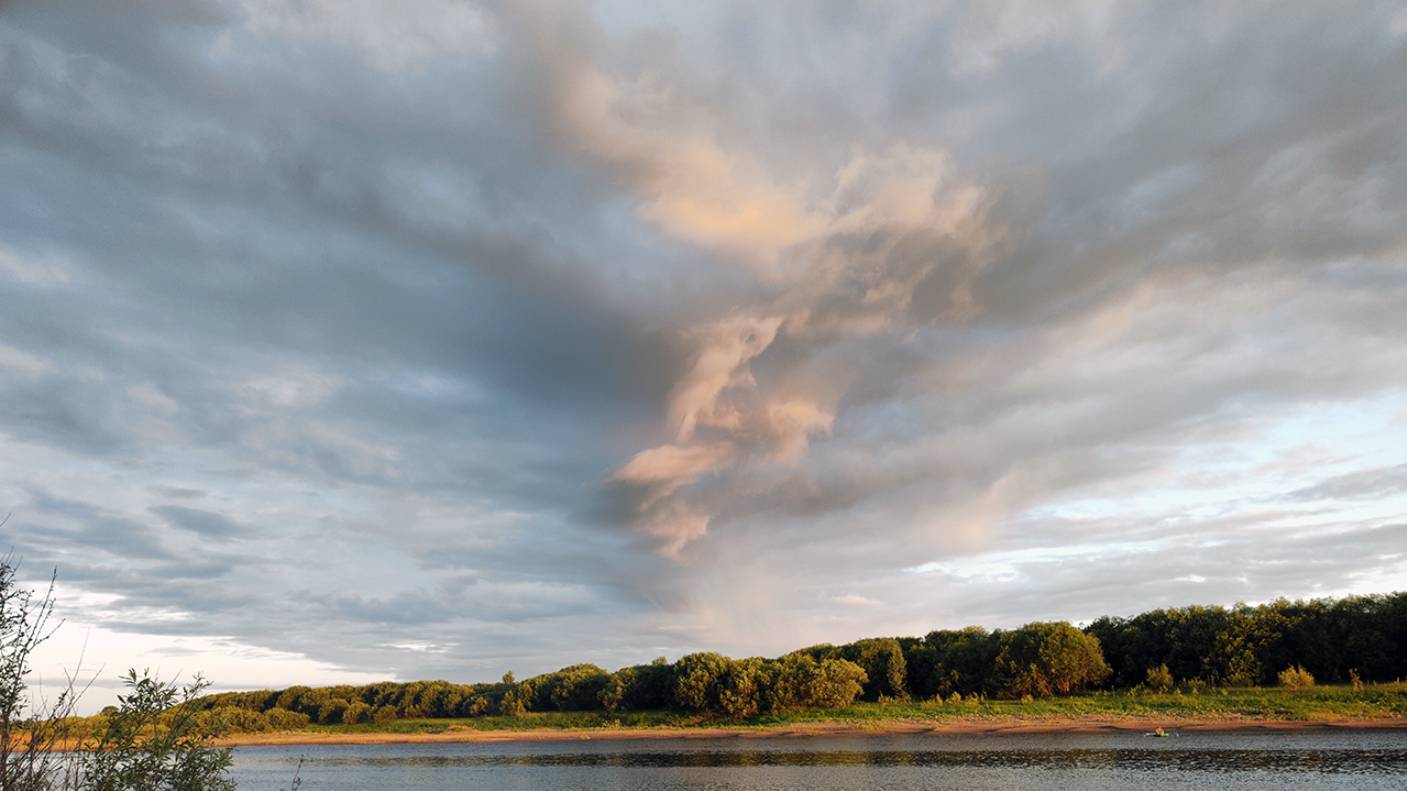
x,y
446,339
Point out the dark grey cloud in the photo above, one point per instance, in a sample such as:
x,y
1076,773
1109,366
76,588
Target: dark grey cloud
x,y
521,334
1360,484
207,524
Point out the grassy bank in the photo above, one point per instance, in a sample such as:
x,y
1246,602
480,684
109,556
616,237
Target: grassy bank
x,y
1323,704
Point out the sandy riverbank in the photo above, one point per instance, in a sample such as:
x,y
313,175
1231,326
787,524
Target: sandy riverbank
x,y
983,725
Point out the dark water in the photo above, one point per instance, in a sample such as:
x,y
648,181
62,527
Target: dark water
x,y
1069,762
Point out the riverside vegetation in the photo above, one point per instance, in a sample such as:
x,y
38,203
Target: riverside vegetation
x,y
1245,661
155,739
1265,662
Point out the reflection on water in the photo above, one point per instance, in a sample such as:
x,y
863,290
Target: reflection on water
x,y
1355,761
1349,759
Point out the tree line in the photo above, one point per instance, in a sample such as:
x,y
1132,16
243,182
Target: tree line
x,y
1359,637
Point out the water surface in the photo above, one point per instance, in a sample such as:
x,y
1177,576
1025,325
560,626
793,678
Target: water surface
x,y
1368,759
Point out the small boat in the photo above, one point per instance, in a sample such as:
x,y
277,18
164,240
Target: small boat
x,y
1159,732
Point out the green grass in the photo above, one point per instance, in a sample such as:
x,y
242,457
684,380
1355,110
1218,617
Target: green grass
x,y
1323,704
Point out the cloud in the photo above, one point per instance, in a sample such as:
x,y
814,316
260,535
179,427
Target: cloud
x,y
541,334
207,524
1360,484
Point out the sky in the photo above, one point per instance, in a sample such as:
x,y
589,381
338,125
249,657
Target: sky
x,y
345,340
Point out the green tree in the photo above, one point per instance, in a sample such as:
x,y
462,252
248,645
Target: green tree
x,y
696,678
882,659
835,683
285,720
356,712
1159,678
740,688
155,742
331,712
1047,658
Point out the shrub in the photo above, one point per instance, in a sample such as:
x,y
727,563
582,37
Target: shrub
x,y
740,688
835,682
572,688
1159,678
1047,658
330,713
156,741
285,720
882,659
511,704
1295,677
233,719
696,678
613,693
355,712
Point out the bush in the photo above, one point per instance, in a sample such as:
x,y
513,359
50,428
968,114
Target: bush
x,y
1042,659
1159,678
355,712
882,659
511,704
234,720
330,713
156,741
834,683
285,720
1295,677
573,688
740,688
696,678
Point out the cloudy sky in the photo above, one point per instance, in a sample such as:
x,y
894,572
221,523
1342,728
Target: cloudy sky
x,y
354,340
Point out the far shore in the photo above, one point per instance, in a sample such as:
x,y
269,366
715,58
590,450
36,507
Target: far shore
x,y
973,726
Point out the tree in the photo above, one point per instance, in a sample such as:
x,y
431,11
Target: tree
x,y
696,678
285,720
511,704
28,735
1047,658
835,682
962,660
740,688
882,659
156,742
573,688
356,712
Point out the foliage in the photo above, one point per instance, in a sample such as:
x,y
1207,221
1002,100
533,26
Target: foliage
x,y
156,739
696,678
28,735
1242,645
285,720
1196,647
1159,678
156,742
1295,677
573,688
1041,659
740,687
882,659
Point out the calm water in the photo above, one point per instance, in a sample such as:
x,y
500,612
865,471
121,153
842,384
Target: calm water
x,y
1338,760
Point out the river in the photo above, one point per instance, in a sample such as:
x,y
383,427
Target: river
x,y
1347,759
